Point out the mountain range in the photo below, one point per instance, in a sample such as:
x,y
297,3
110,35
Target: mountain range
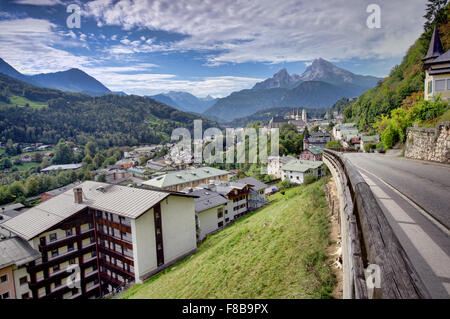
x,y
320,86
185,102
72,80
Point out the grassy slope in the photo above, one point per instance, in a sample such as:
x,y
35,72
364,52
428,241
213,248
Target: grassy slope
x,y
22,101
275,252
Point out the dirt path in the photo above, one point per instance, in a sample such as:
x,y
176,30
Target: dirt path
x,y
334,250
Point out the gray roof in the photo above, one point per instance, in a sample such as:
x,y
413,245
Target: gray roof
x,y
256,184
207,199
16,251
319,134
121,200
184,176
435,49
286,159
60,190
63,167
12,207
443,58
301,166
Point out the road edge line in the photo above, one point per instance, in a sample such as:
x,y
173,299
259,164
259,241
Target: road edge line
x,y
421,210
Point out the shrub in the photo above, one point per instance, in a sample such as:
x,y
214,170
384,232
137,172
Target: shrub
x,y
309,179
284,184
333,145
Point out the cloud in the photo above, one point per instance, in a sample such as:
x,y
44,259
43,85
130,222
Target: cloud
x,y
39,2
271,31
28,44
142,83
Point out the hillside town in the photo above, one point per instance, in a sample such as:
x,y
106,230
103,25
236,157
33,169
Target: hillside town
x,y
183,167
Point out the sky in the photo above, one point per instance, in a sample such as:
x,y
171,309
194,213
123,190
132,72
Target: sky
x,y
204,47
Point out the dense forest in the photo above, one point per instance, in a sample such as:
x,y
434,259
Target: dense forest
x,y
111,120
404,79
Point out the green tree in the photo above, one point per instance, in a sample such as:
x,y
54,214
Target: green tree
x,y
90,149
435,13
63,153
98,160
32,186
333,145
5,163
101,178
16,190
87,160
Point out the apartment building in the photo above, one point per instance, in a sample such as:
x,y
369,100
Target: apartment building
x,y
99,236
179,180
296,171
14,254
237,195
257,197
209,209
275,163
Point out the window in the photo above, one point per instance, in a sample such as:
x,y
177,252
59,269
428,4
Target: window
x,y
70,247
26,295
91,225
55,253
220,224
94,253
74,292
5,295
52,237
72,261
68,232
23,280
219,214
448,84
440,85
92,240
3,278
430,87
56,268
58,283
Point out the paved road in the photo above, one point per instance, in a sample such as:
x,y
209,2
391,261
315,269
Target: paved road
x,y
425,238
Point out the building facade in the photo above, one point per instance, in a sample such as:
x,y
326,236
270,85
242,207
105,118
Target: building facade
x,y
312,153
437,69
295,172
108,235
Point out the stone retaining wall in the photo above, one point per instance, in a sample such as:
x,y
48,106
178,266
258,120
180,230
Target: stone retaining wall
x,y
429,144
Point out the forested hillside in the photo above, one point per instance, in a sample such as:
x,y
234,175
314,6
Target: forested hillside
x,y
110,119
404,80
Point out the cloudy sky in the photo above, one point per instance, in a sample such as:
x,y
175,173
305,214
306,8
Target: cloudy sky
x,y
203,46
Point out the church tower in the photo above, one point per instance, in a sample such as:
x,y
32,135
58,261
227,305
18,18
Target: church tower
x,y
304,117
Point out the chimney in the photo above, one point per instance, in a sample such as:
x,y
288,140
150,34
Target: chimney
x,y
78,195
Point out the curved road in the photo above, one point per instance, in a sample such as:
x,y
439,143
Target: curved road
x,y
415,197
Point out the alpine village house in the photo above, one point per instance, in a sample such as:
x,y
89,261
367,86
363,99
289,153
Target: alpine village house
x,y
437,68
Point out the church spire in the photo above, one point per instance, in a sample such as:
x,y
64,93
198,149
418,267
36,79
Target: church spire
x,y
435,48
